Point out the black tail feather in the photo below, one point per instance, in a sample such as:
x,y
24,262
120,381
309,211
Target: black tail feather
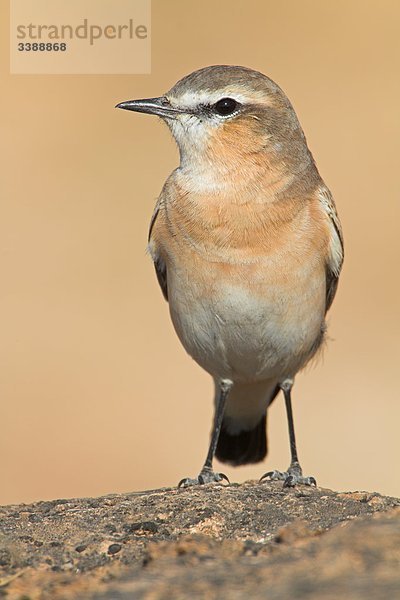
x,y
243,448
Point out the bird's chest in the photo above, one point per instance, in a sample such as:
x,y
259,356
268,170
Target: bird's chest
x,y
247,302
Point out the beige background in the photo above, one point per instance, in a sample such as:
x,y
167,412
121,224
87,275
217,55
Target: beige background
x,y
97,395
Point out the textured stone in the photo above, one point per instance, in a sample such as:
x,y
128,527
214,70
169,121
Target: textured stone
x,y
237,541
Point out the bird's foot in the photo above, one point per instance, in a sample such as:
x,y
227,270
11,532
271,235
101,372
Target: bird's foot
x,y
205,476
292,477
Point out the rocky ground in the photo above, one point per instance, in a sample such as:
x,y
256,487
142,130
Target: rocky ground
x,y
213,542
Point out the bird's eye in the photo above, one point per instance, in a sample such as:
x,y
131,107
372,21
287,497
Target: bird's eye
x,y
226,106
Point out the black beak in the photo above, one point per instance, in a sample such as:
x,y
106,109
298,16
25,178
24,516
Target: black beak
x,y
153,106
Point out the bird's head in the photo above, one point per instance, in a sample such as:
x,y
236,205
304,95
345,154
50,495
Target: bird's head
x,y
226,118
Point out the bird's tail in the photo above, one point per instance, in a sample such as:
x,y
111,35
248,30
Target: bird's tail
x,y
243,437
244,447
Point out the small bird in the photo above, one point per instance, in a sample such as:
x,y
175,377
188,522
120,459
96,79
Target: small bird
x,y
247,247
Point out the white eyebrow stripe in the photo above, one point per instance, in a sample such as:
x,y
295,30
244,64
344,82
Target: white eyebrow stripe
x,y
191,100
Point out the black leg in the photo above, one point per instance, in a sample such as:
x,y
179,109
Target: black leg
x,y
207,474
294,474
287,392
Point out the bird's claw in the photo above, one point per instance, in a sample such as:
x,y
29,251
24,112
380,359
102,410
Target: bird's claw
x,y
204,477
289,478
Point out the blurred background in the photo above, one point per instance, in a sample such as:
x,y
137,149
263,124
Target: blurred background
x,y
97,395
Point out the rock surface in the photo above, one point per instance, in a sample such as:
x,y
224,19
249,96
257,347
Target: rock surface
x,y
239,541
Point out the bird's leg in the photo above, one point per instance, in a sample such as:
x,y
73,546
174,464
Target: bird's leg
x,y
207,475
294,474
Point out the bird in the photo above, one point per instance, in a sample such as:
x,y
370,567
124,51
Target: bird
x,y
247,247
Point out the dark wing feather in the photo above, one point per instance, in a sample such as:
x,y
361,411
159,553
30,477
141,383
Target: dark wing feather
x,y
159,264
161,272
335,261
332,281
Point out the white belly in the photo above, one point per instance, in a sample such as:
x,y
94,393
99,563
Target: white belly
x,y
236,334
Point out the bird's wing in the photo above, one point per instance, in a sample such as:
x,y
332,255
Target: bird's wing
x,y
336,250
159,264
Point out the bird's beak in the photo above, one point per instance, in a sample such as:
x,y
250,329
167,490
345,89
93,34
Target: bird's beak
x,y
153,106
